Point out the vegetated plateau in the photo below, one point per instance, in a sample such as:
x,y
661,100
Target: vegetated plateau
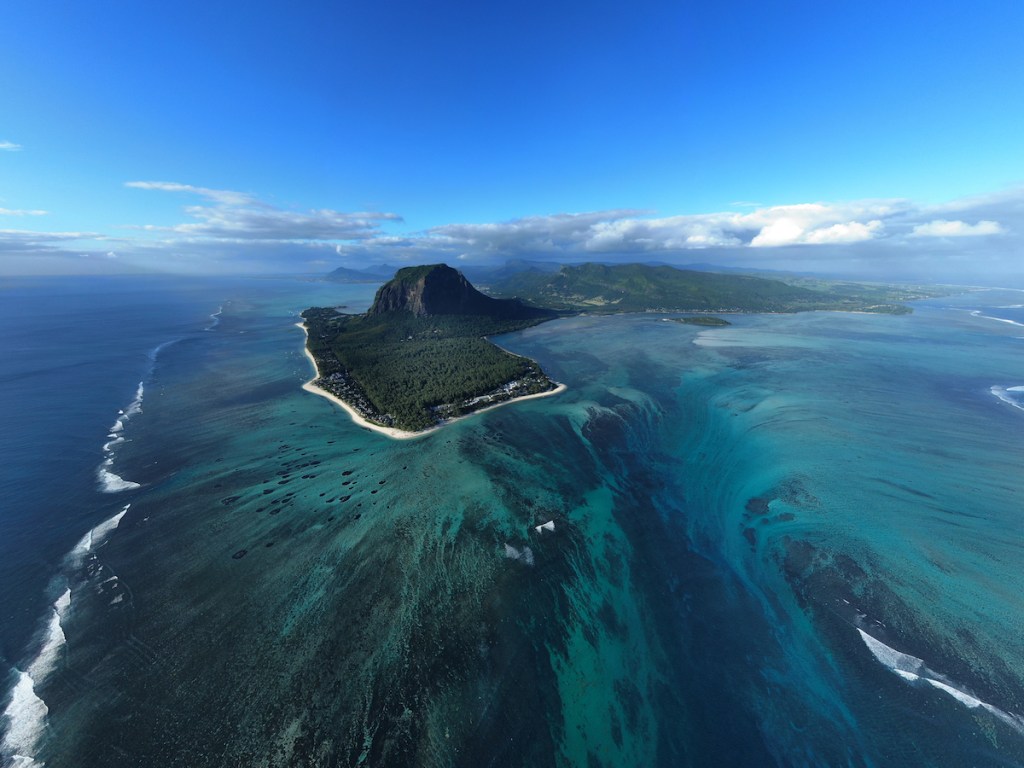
x,y
420,355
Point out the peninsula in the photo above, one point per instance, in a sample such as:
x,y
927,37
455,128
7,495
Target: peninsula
x,y
420,357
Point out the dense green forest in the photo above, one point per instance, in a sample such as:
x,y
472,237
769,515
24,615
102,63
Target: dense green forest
x,y
411,372
639,288
706,320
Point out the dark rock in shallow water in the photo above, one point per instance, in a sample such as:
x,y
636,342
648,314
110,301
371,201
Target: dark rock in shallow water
x,y
757,506
240,554
229,500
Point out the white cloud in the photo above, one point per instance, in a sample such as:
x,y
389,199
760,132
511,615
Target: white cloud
x,y
23,237
820,223
946,228
221,196
13,212
10,146
227,231
21,249
242,217
628,232
789,232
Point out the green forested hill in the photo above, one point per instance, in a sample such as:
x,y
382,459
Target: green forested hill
x,y
638,288
419,355
410,372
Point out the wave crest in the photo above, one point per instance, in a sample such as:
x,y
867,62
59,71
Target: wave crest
x,y
915,671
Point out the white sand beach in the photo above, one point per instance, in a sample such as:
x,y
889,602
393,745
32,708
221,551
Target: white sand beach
x,y
401,434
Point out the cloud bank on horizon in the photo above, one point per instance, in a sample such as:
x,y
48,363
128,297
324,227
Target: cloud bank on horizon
x,y
968,240
331,135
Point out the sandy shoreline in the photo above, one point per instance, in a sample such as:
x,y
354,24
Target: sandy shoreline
x,y
401,434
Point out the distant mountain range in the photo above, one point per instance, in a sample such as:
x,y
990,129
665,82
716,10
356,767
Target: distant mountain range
x,y
373,274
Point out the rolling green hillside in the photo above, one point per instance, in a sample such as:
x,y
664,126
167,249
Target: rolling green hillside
x,y
639,288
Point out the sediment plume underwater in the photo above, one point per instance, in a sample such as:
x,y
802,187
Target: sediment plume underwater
x,y
790,541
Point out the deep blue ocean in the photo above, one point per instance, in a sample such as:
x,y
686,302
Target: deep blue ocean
x,y
796,540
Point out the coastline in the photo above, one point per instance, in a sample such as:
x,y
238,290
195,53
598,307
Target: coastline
x,y
401,434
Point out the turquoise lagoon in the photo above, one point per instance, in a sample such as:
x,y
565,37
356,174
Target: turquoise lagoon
x,y
792,541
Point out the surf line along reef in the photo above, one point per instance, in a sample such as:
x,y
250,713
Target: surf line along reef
x,y
418,357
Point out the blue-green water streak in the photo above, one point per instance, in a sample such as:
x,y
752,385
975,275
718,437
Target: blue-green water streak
x,y
732,509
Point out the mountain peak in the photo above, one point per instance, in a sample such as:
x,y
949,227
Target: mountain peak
x,y
437,289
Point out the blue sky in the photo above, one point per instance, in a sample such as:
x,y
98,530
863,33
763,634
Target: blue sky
x,y
861,138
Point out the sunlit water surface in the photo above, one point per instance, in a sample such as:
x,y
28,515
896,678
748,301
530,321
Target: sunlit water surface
x,y
792,541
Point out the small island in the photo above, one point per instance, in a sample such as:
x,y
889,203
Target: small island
x,y
709,321
420,357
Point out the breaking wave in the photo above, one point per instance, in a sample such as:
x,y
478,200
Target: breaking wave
x,y
1010,395
26,714
915,672
109,481
215,319
978,313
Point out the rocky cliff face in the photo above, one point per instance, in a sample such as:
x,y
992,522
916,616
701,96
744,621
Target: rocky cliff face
x,y
437,289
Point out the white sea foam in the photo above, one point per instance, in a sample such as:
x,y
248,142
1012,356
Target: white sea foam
x,y
525,554
891,658
112,483
26,721
97,535
109,481
548,526
1003,393
154,353
914,670
109,445
978,313
135,407
26,714
100,533
49,655
215,317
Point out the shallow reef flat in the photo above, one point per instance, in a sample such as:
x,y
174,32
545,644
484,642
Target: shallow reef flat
x,y
755,531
